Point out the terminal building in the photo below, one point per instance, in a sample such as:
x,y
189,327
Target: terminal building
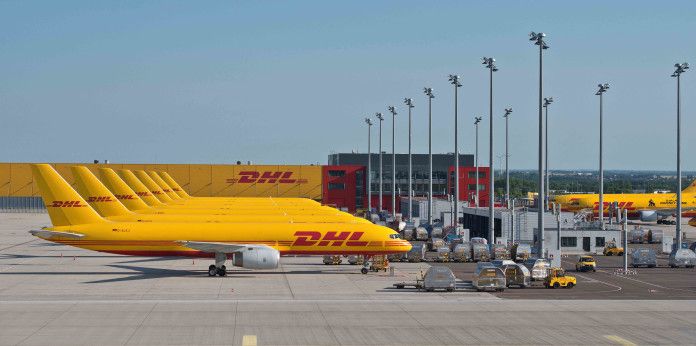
x,y
443,167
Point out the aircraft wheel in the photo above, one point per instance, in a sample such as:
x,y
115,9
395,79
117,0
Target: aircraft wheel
x,y
212,270
363,270
556,285
222,271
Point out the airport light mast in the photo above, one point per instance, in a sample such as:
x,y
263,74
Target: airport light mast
x,y
393,198
508,111
680,68
409,103
454,79
538,39
602,89
429,92
369,168
477,120
490,65
547,102
381,119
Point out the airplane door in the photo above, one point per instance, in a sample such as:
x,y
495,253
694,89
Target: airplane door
x,y
586,244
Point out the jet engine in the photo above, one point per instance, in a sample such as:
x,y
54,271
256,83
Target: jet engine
x,y
648,215
257,258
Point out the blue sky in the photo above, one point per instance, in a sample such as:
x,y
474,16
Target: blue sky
x,y
289,82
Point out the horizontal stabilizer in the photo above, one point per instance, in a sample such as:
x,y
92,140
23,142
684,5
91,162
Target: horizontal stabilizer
x,y
46,234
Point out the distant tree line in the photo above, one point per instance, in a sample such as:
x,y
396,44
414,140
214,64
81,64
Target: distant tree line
x,y
522,182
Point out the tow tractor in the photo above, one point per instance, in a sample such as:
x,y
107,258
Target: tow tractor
x,y
558,278
610,249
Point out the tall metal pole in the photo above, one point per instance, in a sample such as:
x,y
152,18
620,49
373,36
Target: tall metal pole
x,y
369,167
547,102
429,92
680,68
454,79
625,239
381,119
477,120
490,65
508,111
538,39
393,112
602,89
409,103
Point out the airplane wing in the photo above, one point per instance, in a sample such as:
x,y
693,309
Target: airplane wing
x,y
46,234
213,247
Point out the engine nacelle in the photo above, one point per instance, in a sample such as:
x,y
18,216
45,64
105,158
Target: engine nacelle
x,y
648,215
257,258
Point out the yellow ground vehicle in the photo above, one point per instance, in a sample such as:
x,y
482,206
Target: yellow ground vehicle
x,y
586,263
558,278
610,249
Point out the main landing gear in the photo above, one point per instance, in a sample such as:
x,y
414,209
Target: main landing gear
x,y
219,267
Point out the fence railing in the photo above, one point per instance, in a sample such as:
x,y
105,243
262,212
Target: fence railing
x,y
13,204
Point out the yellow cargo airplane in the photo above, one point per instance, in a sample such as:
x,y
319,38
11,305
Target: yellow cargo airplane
x,y
132,200
244,207
249,245
108,205
646,206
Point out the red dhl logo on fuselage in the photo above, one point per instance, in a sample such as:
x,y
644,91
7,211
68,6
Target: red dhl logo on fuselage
x,y
100,199
156,192
622,205
311,238
124,196
250,177
143,194
67,204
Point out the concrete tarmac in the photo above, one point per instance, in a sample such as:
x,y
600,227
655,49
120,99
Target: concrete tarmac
x,y
54,294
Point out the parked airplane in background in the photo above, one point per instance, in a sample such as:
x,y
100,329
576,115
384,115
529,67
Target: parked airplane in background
x,y
250,245
646,206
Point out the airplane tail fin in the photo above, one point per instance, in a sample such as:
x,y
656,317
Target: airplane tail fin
x,y
163,184
65,206
691,188
174,185
140,188
97,195
152,186
121,190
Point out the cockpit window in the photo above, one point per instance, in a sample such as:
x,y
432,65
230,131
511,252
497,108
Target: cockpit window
x,y
395,236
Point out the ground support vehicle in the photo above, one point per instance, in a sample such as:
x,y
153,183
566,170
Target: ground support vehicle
x,y
375,264
501,252
643,257
520,252
462,252
479,252
558,278
421,233
517,275
417,253
332,259
443,254
356,259
610,249
682,258
586,263
436,243
488,277
439,277
539,267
